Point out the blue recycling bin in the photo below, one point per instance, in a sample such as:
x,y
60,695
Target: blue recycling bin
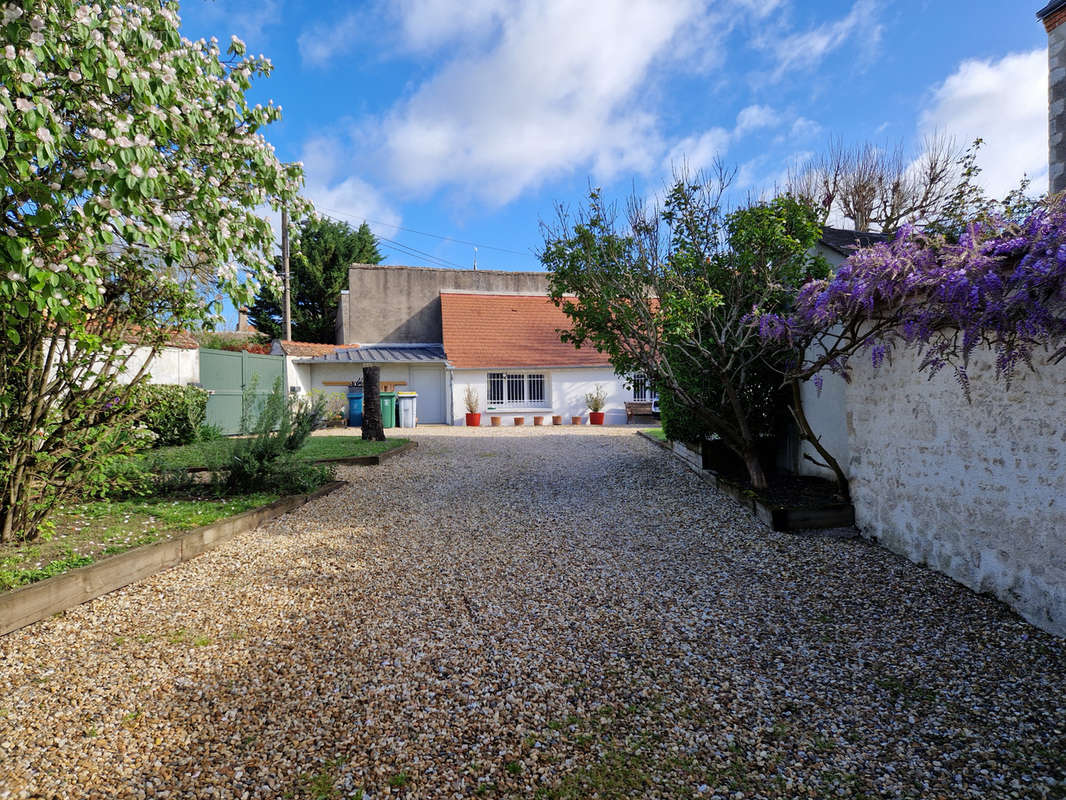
x,y
355,409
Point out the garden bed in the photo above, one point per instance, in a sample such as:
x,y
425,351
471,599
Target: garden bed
x,y
68,584
328,449
84,533
790,502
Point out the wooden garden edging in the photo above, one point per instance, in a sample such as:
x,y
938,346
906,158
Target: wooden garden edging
x,y
29,604
365,461
777,518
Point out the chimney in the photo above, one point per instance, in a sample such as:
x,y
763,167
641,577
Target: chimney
x,y
242,314
1053,15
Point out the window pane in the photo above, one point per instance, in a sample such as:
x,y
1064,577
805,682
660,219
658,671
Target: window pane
x,y
495,388
516,389
536,390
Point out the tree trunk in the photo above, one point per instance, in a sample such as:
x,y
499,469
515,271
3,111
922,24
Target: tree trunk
x,y
807,434
755,470
372,429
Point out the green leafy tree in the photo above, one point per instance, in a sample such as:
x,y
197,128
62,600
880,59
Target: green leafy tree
x,y
670,293
318,270
133,173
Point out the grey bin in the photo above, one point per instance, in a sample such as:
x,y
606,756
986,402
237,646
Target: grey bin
x,y
407,408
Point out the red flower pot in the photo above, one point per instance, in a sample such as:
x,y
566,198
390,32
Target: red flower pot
x,y
519,420
557,419
538,420
495,421
473,420
575,420
596,417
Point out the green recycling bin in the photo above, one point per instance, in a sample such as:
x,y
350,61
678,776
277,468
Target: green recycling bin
x,y
388,409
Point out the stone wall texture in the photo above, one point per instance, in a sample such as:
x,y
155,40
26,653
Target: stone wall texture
x,y
1057,109
976,491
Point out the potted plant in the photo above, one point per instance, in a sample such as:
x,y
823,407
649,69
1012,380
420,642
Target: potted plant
x,y
519,420
538,420
557,419
473,418
496,421
596,400
575,420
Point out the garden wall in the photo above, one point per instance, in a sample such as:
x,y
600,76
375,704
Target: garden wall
x,y
976,491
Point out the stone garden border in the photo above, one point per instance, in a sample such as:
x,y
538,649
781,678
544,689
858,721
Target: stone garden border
x,y
29,604
776,518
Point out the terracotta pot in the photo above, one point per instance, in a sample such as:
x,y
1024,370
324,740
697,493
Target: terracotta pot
x,y
557,420
575,420
495,421
473,420
519,420
596,417
538,420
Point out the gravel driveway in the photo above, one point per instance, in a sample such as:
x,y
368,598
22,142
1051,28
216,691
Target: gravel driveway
x,y
534,613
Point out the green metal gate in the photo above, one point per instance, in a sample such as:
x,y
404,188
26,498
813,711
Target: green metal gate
x,y
227,374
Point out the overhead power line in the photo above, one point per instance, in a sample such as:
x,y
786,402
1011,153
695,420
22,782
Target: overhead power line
x,y
439,236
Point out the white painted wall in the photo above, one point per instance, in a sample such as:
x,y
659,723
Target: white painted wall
x,y
976,491
311,376
566,387
175,365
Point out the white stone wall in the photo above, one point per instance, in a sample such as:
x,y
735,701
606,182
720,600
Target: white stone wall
x,y
567,388
976,491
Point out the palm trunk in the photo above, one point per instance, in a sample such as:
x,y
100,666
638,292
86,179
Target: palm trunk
x,y
372,428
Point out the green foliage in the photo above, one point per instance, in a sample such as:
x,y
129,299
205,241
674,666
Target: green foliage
x,y
669,294
269,459
321,252
173,413
136,174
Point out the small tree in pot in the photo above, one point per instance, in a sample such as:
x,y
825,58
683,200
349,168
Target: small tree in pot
x,y
473,417
596,400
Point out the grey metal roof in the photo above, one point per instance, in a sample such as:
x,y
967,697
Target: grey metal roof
x,y
1050,8
847,242
382,354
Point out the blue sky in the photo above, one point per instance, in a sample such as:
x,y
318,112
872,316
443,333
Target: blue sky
x,y
472,119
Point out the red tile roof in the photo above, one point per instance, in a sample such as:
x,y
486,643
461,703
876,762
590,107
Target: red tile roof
x,y
303,349
499,330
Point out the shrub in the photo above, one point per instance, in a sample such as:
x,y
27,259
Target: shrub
x,y
173,413
268,460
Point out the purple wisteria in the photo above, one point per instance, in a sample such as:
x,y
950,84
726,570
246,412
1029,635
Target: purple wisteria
x,y
1001,286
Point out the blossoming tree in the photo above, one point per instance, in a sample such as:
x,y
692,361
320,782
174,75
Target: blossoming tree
x,y
134,174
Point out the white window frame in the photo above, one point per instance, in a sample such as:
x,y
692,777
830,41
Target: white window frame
x,y
517,388
640,381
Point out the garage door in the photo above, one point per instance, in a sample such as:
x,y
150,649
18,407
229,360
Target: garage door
x,y
429,383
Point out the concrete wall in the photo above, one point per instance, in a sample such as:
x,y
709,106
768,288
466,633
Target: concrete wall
x,y
976,491
402,304
171,365
567,389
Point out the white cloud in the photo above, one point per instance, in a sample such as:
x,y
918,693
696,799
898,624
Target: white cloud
x,y
553,91
699,151
805,51
1005,103
335,194
323,42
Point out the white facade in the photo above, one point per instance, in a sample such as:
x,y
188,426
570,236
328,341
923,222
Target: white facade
x,y
171,365
565,392
429,380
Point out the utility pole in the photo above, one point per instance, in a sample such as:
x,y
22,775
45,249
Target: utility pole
x,y
475,258
286,319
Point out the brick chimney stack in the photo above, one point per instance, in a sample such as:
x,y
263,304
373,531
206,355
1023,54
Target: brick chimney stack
x,y
1053,15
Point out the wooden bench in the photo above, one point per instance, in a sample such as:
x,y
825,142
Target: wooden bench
x,y
634,409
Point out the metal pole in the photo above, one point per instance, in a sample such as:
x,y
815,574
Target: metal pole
x,y
286,319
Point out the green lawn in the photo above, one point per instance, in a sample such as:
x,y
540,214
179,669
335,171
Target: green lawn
x,y
82,533
204,454
655,433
